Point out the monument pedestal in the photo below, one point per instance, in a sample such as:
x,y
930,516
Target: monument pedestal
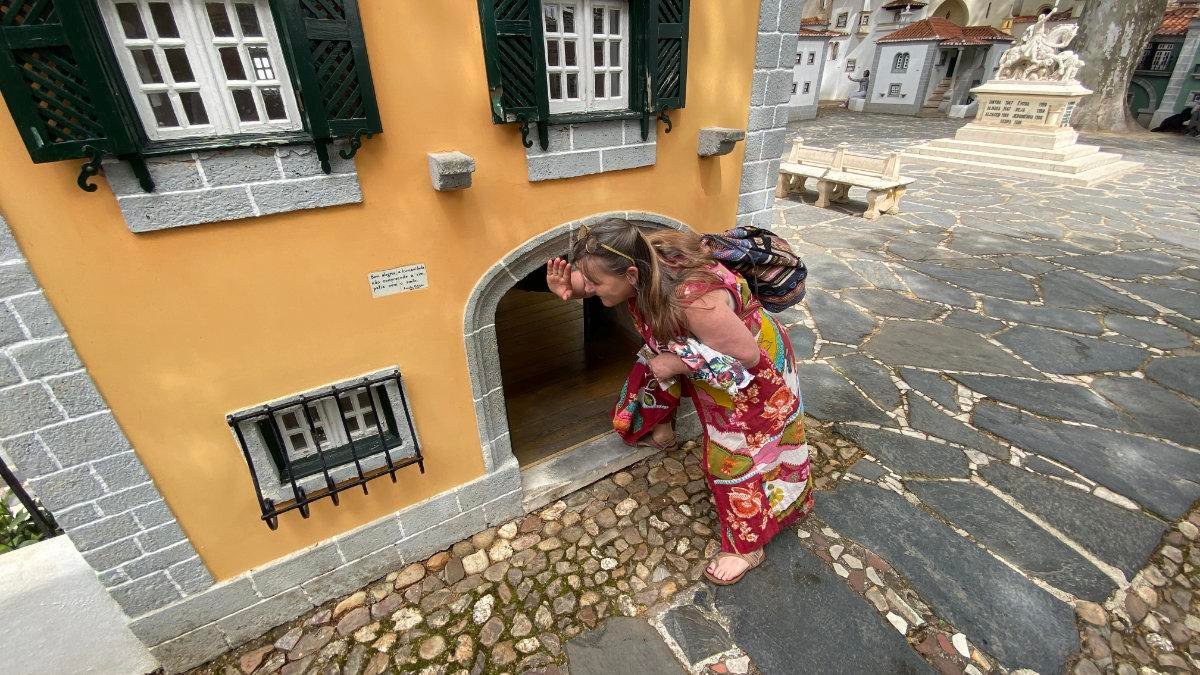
x,y
1022,128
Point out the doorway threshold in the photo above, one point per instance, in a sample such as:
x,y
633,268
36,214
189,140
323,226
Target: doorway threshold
x,y
590,461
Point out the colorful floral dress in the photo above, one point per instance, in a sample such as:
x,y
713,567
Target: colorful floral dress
x,y
754,456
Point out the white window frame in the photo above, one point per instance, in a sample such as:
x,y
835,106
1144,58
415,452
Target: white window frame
x,y
900,62
807,87
842,20
1162,57
201,47
323,413
585,67
812,58
851,65
894,90
864,19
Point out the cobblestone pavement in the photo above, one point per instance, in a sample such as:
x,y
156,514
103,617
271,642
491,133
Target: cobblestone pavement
x,y
1003,379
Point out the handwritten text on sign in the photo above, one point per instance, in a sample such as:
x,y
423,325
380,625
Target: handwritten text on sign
x,y
397,280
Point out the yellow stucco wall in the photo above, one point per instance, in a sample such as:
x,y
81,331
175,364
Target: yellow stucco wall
x,y
182,326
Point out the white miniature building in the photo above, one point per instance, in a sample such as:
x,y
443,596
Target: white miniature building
x,y
811,49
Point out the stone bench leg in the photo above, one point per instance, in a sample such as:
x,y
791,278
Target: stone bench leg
x,y
883,201
825,193
788,184
841,193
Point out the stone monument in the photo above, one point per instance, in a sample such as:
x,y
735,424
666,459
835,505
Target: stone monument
x,y
1023,123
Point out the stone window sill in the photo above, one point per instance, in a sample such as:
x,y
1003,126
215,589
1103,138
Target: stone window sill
x,y
219,185
582,149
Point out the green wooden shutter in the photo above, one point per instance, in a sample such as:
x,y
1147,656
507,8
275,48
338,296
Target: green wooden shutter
x,y
665,51
516,61
329,64
63,102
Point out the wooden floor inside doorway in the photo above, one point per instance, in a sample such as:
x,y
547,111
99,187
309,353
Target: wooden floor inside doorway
x,y
559,388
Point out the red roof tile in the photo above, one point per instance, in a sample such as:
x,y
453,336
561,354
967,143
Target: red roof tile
x,y
989,33
935,28
805,32
1030,18
1175,20
901,4
813,21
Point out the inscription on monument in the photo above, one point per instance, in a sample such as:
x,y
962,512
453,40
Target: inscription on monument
x,y
397,280
1016,112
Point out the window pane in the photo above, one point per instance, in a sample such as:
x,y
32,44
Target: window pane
x,y
164,114
614,21
551,14
218,18
260,60
552,52
290,420
599,85
568,19
598,52
352,424
131,21
248,20
243,100
614,57
369,419
181,68
364,399
344,403
193,107
273,102
570,53
164,20
572,85
616,84
299,442
556,86
231,59
598,21
147,66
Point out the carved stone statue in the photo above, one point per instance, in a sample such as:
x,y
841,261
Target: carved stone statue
x,y
1037,57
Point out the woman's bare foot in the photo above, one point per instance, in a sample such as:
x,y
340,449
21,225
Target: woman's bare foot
x,y
728,566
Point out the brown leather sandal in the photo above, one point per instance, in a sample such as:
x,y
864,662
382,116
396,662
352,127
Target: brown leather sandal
x,y
753,559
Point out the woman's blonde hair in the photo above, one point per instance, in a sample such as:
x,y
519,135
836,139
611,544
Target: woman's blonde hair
x,y
665,259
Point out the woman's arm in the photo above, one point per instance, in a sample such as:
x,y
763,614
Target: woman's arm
x,y
712,320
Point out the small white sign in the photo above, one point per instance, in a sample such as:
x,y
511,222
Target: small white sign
x,y
397,280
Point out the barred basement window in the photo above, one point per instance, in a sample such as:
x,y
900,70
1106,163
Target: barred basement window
x,y
323,442
202,68
893,90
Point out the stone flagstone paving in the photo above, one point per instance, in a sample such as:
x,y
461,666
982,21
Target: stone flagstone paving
x,y
1004,380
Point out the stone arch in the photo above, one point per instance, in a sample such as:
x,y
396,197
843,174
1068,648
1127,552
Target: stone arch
x,y
479,326
953,10
1147,90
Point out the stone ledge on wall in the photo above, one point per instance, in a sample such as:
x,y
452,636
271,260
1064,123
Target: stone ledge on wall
x,y
592,147
450,170
716,141
219,185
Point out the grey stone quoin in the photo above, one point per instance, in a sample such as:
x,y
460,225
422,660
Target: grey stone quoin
x,y
450,170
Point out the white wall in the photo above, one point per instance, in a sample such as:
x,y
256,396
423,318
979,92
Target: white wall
x,y
803,72
908,81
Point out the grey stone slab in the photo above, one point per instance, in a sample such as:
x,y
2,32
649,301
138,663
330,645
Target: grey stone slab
x,y
9,375
927,345
1158,412
565,165
890,303
161,536
932,385
170,174
997,283
1181,374
86,440
628,157
240,165
450,170
296,569
121,471
1005,531
30,456
829,396
878,274
37,315
927,288
1054,317
77,394
1124,265
48,357
301,161
145,595
159,560
962,583
1161,477
871,377
1047,468
810,627
215,603
923,416
1068,354
67,488
1120,537
353,575
715,141
976,323
15,278
621,645
868,469
370,538
257,619
309,193
1074,290
151,212
1184,323
191,575
697,635
829,273
837,320
908,455
1184,302
1153,334
803,340
1050,399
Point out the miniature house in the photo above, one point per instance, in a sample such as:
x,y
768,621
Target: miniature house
x,y
272,324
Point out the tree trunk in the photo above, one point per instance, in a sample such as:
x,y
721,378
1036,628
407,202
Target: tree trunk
x,y
1112,35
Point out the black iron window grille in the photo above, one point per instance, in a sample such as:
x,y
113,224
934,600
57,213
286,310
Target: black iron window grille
x,y
315,445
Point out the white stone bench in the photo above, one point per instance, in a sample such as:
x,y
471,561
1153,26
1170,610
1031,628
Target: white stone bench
x,y
836,171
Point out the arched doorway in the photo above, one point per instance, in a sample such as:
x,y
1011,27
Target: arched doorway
x,y
955,11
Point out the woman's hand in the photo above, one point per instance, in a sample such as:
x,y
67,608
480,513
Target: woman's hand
x,y
558,278
666,366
